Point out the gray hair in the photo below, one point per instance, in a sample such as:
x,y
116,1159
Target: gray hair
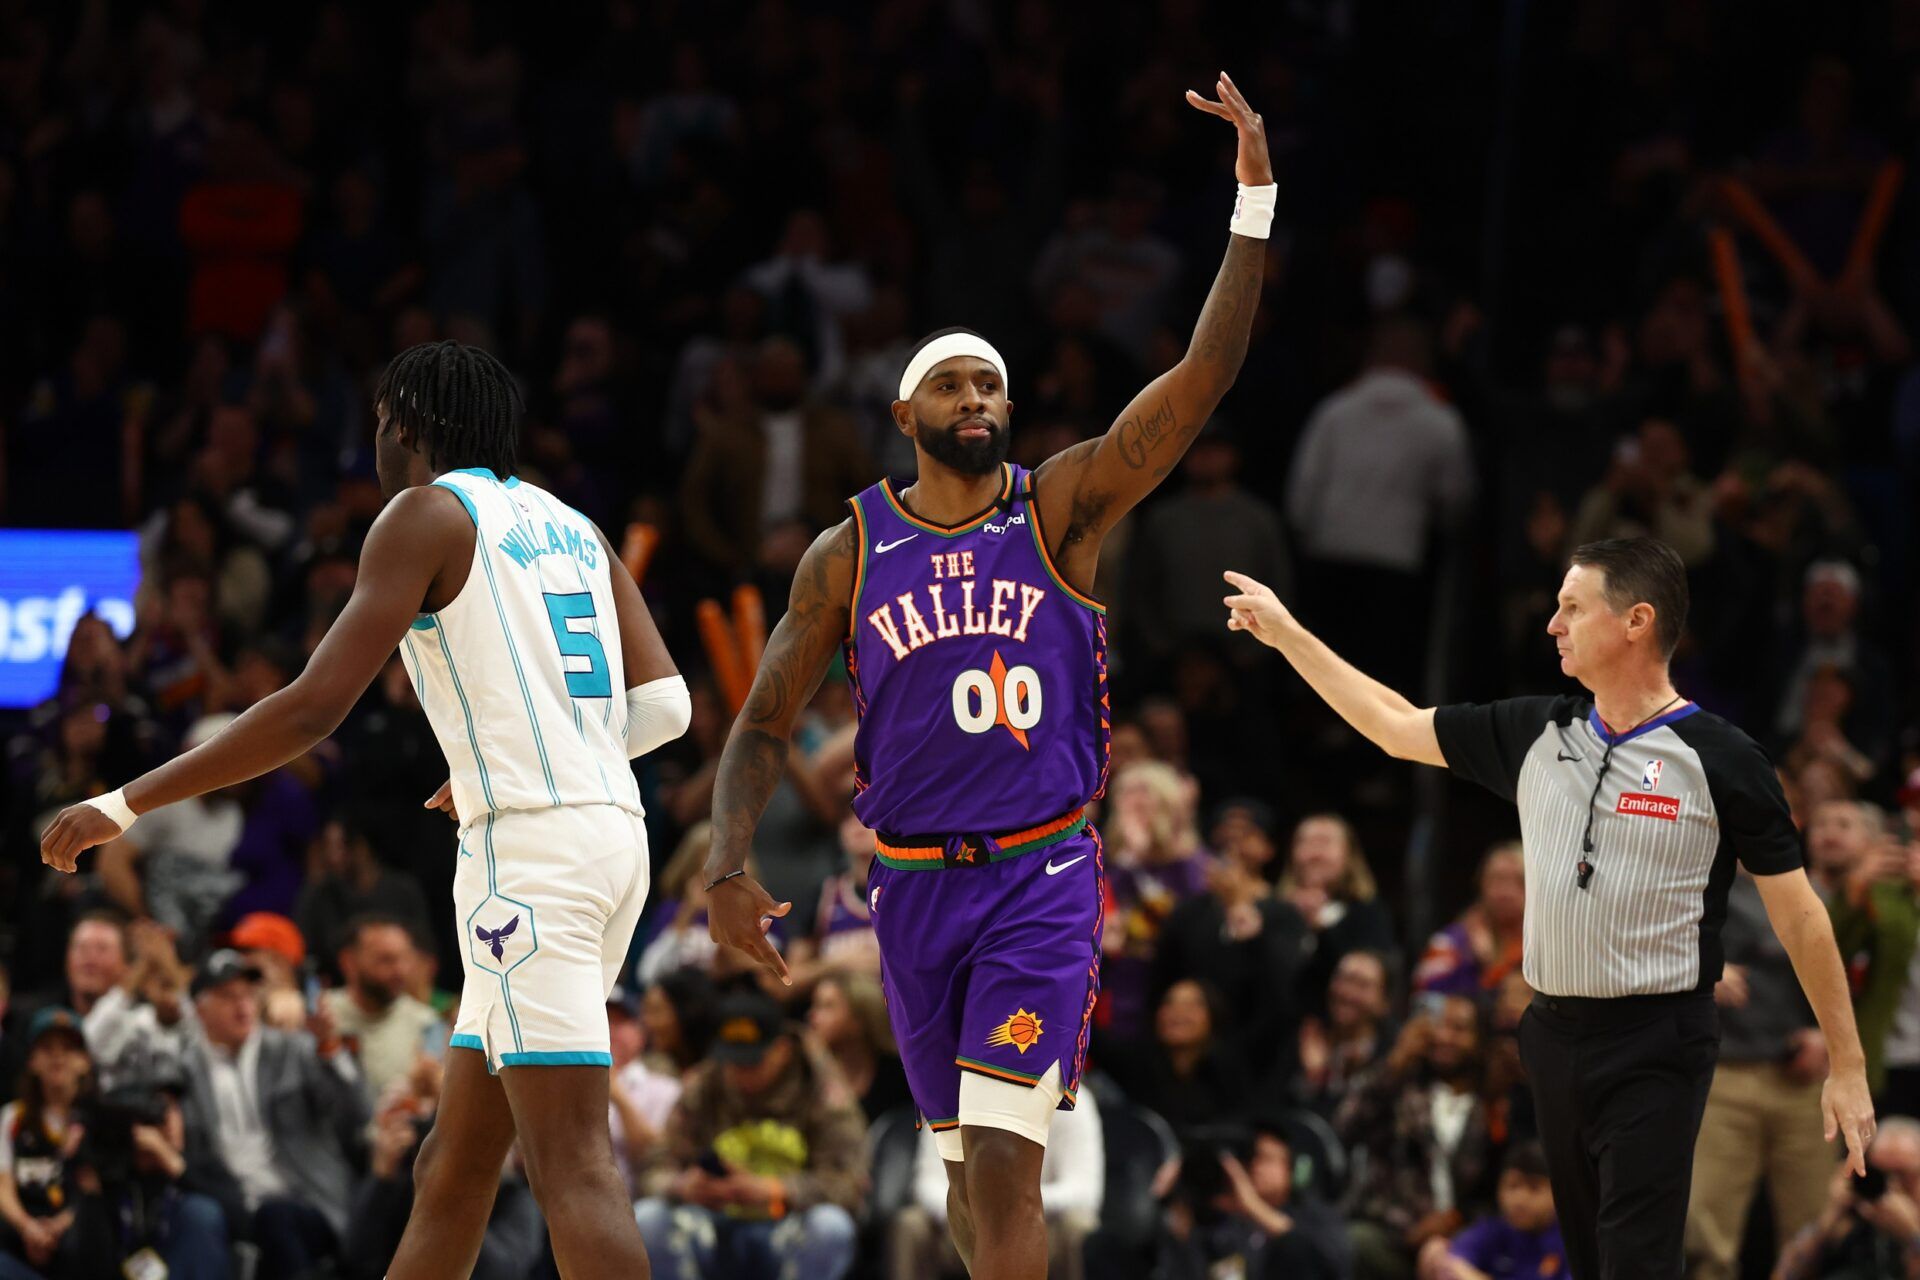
x,y
1898,1128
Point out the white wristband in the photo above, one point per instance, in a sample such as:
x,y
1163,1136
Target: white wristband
x,y
114,805
1253,210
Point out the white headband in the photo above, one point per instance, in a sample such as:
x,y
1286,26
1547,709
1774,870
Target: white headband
x,y
953,344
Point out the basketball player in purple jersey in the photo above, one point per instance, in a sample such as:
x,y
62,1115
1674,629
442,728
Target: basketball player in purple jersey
x,y
978,666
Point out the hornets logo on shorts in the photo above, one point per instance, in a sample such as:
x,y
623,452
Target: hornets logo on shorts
x,y
502,934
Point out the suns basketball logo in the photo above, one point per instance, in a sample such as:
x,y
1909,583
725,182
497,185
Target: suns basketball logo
x,y
1021,1031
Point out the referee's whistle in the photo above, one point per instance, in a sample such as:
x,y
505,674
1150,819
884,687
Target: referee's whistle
x,y
1583,873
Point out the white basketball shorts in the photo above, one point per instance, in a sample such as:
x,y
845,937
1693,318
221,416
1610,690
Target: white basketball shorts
x,y
546,902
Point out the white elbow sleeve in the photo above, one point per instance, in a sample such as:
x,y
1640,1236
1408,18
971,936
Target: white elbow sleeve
x,y
657,712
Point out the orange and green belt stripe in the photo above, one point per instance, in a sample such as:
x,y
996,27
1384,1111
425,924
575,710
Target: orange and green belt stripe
x,y
915,854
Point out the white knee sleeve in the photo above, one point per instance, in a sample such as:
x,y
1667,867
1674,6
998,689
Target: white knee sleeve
x,y
1002,1104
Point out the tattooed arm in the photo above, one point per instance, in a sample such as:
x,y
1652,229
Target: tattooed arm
x,y
754,760
1083,491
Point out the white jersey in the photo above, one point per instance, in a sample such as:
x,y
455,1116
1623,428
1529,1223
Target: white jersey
x,y
522,674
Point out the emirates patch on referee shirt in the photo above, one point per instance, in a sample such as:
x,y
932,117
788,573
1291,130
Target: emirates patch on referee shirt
x,y
1665,807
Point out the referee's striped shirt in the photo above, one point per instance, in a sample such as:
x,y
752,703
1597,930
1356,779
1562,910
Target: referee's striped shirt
x,y
1682,797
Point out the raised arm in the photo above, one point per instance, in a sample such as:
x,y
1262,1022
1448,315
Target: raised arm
x,y
754,760
1085,490
1382,716
422,534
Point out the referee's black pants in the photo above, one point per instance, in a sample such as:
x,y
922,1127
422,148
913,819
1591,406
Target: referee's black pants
x,y
1619,1087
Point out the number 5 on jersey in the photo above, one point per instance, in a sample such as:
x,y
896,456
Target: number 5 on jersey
x,y
1004,697
562,612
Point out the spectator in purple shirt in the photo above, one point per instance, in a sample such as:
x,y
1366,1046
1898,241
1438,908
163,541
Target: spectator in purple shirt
x,y
1154,863
1521,1242
1473,955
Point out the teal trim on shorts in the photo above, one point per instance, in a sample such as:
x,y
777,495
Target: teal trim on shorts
x,y
493,887
467,1042
424,622
567,1058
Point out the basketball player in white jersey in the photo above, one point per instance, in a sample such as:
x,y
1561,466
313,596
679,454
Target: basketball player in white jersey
x,y
542,673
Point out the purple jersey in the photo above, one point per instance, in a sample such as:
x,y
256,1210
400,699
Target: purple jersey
x,y
844,925
979,675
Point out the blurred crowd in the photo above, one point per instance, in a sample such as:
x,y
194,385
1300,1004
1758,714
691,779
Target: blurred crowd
x,y
1616,266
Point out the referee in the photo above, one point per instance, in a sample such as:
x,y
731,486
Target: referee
x,y
1633,807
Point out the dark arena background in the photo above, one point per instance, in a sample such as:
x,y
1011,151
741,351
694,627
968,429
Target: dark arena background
x,y
1541,273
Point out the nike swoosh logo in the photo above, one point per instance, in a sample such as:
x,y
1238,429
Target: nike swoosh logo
x,y
1054,871
1563,756
881,548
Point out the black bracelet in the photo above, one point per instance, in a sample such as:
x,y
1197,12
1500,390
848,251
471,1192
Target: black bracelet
x,y
723,879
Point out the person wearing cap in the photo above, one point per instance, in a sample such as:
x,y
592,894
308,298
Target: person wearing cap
x,y
272,1124
269,938
94,966
39,1139
275,946
58,1162
764,1160
978,663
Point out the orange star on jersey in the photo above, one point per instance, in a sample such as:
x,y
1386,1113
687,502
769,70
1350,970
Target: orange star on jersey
x,y
1021,1031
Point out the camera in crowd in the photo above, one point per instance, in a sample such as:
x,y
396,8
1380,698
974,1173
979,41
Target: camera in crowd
x,y
1868,1187
1203,1180
110,1118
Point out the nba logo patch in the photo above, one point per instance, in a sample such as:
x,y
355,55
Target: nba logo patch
x,y
1650,779
873,899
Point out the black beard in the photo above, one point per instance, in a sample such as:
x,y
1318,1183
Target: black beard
x,y
968,457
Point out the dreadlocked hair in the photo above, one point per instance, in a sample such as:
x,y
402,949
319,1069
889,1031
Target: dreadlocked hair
x,y
460,403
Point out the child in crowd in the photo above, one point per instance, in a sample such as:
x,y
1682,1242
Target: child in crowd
x,y
1521,1242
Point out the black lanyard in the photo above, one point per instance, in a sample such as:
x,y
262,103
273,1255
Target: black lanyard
x,y
1583,870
